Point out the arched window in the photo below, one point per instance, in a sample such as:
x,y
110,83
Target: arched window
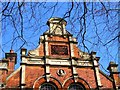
x,y
48,86
76,86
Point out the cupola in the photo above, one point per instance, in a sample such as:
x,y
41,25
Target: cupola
x,y
56,26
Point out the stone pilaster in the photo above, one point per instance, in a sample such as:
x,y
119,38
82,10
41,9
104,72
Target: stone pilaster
x,y
73,62
96,69
22,71
46,63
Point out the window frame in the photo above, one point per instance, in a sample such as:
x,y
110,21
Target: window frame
x,y
79,84
51,84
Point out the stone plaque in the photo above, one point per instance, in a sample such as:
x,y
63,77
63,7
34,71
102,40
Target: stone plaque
x,y
59,50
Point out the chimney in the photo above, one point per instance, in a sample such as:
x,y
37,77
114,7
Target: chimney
x,y
11,57
3,72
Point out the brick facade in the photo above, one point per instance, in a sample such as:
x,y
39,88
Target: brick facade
x,y
57,63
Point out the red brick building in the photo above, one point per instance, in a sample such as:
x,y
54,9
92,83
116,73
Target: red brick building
x,y
56,64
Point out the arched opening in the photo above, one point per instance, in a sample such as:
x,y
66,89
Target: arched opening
x,y
48,86
81,84
76,86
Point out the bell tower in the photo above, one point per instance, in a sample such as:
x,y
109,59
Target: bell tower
x,y
57,26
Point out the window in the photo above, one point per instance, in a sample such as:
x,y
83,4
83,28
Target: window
x,y
48,86
59,50
76,86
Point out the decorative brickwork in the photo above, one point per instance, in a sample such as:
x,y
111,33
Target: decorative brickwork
x,y
58,62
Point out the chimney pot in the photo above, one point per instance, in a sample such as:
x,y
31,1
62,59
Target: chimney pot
x,y
11,51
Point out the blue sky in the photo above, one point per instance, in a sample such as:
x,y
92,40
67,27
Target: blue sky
x,y
35,24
